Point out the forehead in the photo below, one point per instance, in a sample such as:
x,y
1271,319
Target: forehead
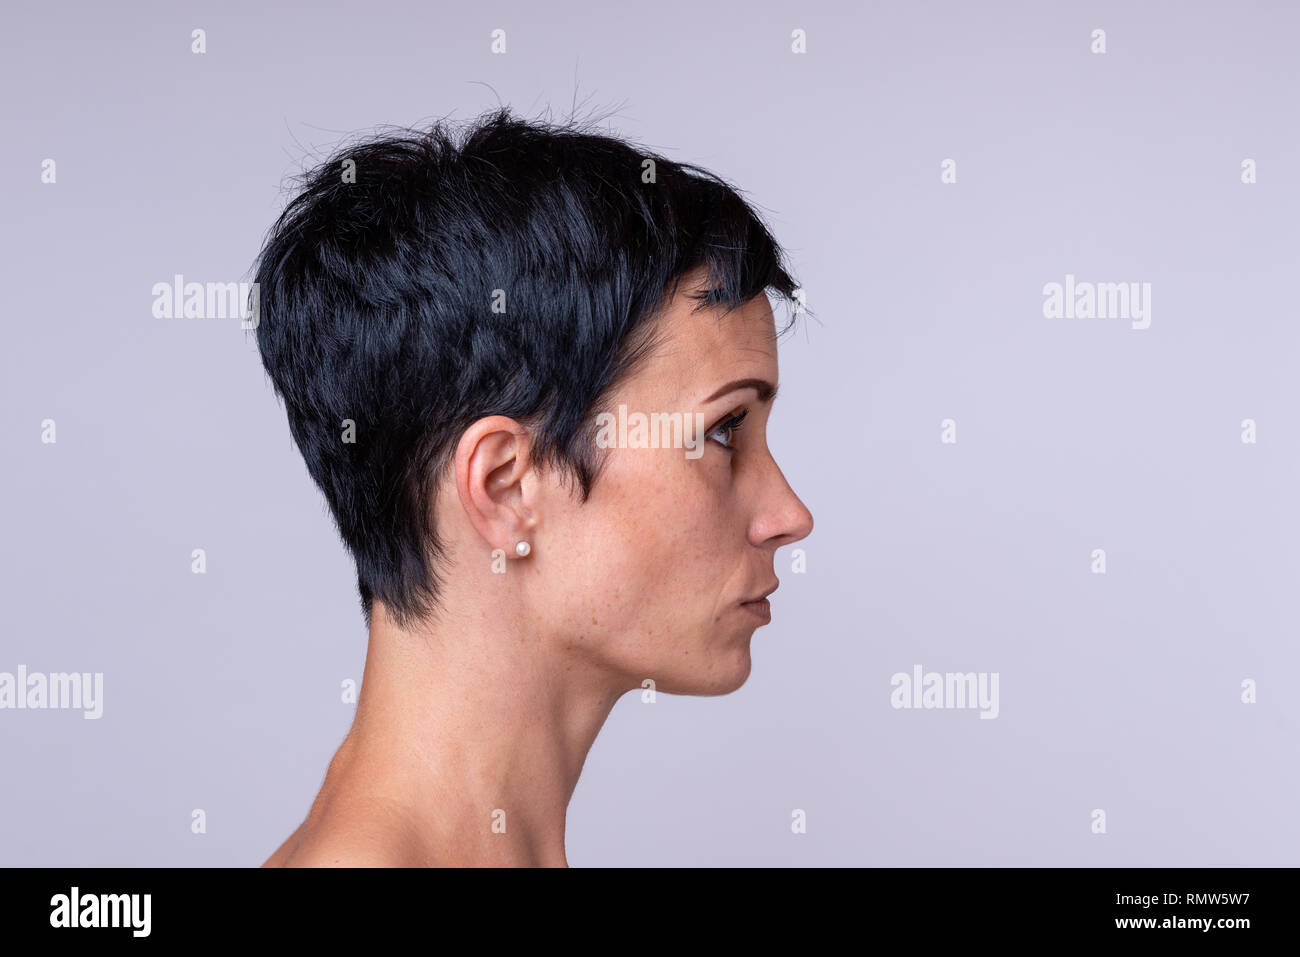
x,y
700,350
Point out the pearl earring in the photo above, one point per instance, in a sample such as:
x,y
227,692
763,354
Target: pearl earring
x,y
522,549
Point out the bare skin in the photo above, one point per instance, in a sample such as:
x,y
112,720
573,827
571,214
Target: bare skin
x,y
473,725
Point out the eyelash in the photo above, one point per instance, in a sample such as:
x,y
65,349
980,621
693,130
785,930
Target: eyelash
x,y
730,425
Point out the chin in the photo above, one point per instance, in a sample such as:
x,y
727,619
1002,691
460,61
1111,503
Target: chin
x,y
738,676
717,672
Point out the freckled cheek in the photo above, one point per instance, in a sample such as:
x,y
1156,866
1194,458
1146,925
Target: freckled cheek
x,y
687,548
661,519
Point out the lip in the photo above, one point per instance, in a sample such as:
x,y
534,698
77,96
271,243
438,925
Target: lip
x,y
759,606
760,609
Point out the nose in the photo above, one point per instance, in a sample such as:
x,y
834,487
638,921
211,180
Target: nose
x,y
781,517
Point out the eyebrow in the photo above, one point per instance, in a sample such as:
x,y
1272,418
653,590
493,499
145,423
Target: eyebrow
x,y
766,390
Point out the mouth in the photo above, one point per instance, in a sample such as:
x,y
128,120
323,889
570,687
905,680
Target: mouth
x,y
759,606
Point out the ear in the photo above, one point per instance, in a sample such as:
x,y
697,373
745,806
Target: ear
x,y
496,482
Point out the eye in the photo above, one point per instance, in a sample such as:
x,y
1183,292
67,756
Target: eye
x,y
728,427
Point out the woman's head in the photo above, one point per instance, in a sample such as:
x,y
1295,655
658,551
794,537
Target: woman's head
x,y
491,340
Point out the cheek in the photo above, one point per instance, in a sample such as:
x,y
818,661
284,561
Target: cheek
x,y
653,548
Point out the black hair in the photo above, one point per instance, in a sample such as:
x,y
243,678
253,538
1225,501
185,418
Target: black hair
x,y
377,287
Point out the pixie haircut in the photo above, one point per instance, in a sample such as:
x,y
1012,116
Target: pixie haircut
x,y
419,281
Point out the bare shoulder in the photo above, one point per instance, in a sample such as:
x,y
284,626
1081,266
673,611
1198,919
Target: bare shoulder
x,y
349,839
342,850
286,849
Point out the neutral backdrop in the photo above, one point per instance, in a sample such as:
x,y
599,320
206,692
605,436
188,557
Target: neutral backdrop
x,y
1119,692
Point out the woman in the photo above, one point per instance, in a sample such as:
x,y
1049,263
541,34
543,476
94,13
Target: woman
x,y
531,371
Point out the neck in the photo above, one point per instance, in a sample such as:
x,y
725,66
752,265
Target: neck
x,y
473,731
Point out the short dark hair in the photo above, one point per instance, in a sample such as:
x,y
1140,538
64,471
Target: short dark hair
x,y
376,302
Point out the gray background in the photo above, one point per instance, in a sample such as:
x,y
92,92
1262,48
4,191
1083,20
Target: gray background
x,y
1118,691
